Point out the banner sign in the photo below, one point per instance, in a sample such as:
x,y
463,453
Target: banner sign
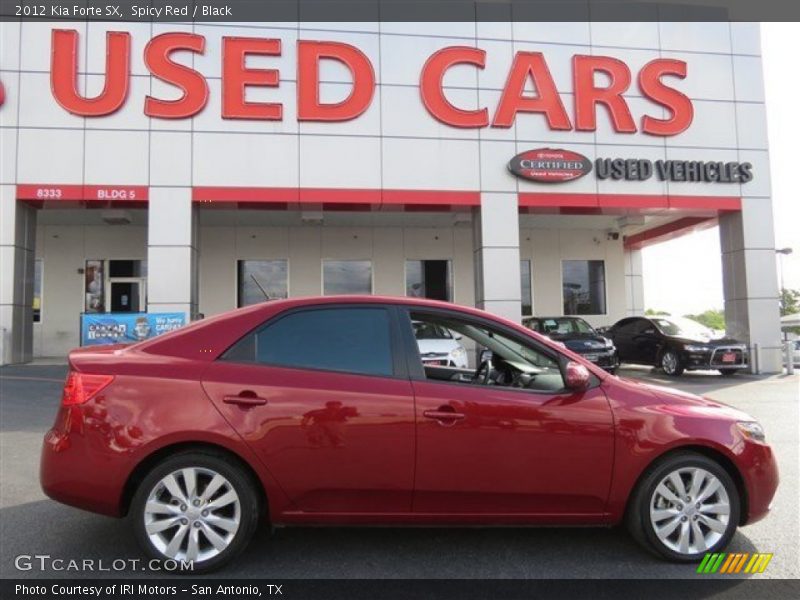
x,y
122,328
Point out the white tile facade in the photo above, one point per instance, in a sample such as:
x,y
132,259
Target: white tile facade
x,y
396,144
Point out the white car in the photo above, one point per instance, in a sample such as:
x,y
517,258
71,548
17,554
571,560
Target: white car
x,y
796,352
438,346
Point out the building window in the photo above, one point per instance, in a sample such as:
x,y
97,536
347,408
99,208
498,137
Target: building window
x,y
37,290
584,287
429,279
527,290
346,277
94,287
260,280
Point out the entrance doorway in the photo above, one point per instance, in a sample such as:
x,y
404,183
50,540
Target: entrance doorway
x,y
429,279
126,296
116,286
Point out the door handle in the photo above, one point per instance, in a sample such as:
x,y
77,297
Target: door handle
x,y
245,398
443,414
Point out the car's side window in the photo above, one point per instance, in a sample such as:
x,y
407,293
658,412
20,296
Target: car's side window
x,y
350,340
476,354
625,326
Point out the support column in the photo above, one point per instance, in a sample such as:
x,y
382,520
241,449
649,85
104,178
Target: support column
x,y
172,252
496,248
17,251
750,281
634,284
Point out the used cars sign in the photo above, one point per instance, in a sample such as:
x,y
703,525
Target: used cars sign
x,y
550,165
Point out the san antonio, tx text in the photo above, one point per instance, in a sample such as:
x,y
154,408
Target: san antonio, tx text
x,y
130,589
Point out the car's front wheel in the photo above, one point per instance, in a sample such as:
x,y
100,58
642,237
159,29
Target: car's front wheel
x,y
671,363
197,507
685,506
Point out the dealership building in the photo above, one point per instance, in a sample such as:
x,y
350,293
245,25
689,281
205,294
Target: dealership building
x,y
184,170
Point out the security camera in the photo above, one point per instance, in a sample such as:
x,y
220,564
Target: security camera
x,y
612,235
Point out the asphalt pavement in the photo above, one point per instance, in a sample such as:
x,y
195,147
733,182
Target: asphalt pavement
x,y
31,524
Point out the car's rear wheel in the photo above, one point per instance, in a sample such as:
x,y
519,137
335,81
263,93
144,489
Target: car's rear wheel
x,y
728,372
686,506
671,363
197,507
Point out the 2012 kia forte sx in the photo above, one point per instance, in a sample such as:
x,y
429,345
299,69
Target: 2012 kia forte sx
x,y
321,411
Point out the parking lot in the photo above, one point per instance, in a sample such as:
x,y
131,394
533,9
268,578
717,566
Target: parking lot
x,y
31,524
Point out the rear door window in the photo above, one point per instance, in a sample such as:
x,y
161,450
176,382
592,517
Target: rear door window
x,y
349,340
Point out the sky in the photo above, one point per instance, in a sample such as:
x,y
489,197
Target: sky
x,y
684,276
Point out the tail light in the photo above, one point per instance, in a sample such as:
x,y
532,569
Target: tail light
x,y
80,387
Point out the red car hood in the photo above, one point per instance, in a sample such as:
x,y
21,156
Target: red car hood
x,y
677,402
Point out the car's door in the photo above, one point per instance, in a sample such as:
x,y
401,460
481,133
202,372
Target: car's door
x,y
323,397
487,449
621,334
645,342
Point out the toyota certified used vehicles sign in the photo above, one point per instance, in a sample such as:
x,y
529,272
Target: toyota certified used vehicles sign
x,y
550,165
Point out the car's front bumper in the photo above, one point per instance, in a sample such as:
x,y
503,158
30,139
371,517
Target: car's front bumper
x,y
716,358
759,469
606,359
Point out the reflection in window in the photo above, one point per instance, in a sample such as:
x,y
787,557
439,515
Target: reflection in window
x,y
429,279
94,287
37,290
346,277
261,280
584,287
527,292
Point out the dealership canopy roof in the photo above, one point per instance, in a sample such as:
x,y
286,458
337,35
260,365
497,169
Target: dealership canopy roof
x,y
790,321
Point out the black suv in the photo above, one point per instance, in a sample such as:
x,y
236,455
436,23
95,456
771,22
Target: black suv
x,y
675,344
577,335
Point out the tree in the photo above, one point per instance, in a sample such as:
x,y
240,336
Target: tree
x,y
711,318
790,305
790,302
654,313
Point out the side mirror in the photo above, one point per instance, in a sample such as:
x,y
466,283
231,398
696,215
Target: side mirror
x,y
578,376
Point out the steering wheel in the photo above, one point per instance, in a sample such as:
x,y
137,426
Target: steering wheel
x,y
484,372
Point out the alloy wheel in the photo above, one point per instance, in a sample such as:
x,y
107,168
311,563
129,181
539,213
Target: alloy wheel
x,y
690,510
192,514
669,362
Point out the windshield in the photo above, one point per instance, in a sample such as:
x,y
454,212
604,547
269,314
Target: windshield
x,y
680,327
564,325
430,331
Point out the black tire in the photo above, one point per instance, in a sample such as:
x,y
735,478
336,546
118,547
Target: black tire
x,y
678,368
728,372
637,518
242,483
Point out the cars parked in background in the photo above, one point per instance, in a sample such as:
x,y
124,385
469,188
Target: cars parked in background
x,y
577,335
676,344
795,352
438,346
315,411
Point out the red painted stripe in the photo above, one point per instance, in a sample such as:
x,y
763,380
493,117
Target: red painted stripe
x,y
54,192
668,231
244,194
629,201
336,196
707,202
431,197
546,199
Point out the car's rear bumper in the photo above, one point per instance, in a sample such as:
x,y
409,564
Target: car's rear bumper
x,y
76,469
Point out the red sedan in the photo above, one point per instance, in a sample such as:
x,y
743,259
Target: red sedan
x,y
320,411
